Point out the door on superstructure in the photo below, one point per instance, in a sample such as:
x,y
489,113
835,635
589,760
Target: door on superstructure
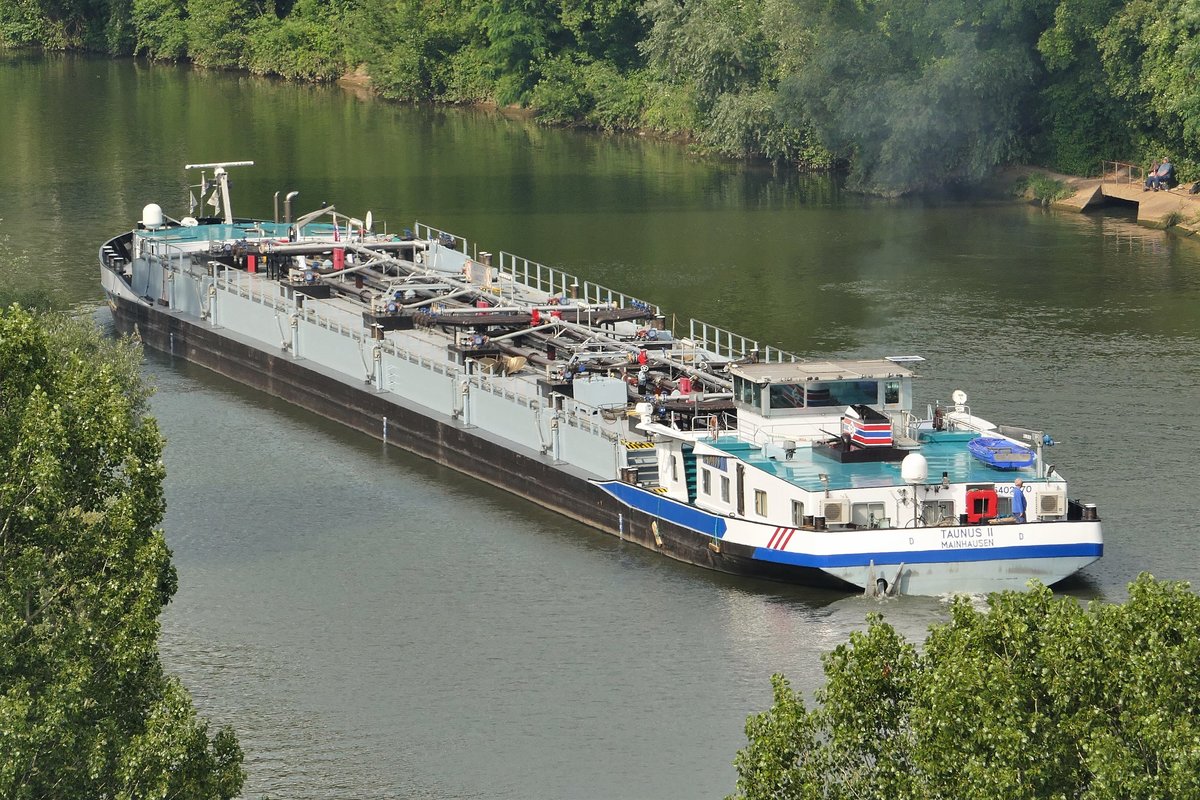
x,y
741,490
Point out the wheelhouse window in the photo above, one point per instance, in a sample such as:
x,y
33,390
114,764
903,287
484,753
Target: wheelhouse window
x,y
724,489
842,393
706,481
760,502
673,468
797,513
747,392
891,393
787,395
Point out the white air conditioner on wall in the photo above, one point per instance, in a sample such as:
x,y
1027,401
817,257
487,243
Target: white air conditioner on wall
x,y
837,511
1051,504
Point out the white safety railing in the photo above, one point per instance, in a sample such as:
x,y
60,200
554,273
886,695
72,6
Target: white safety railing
x,y
557,283
426,232
245,285
728,345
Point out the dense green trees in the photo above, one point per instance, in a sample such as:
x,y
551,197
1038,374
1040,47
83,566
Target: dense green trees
x,y
920,93
1035,698
911,94
85,707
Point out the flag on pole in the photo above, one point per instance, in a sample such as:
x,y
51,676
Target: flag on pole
x,y
192,202
214,201
337,236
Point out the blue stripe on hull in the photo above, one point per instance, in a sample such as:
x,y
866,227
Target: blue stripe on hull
x,y
703,522
666,509
1080,550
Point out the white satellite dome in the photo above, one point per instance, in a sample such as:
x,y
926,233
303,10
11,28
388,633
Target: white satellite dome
x,y
152,216
914,469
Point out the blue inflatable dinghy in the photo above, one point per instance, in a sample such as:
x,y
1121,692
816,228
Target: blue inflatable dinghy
x,y
1000,453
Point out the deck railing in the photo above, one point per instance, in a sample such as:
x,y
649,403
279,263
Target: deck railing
x,y
424,231
557,283
728,345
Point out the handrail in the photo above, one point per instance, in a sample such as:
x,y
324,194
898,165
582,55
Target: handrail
x,y
426,232
557,283
728,345
1121,172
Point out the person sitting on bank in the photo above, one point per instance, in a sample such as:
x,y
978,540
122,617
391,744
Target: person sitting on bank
x,y
1162,177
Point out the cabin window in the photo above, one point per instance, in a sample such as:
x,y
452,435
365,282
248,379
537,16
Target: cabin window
x,y
724,489
717,462
760,502
891,392
869,515
797,513
933,513
706,481
672,468
786,395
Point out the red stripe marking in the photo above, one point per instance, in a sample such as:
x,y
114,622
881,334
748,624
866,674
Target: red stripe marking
x,y
774,538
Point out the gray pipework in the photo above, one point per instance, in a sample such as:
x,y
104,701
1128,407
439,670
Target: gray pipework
x,y
300,222
287,206
440,298
523,331
679,365
508,309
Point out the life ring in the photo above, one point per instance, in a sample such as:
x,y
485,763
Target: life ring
x,y
982,505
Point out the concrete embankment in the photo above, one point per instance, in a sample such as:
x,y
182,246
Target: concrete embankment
x,y
1176,208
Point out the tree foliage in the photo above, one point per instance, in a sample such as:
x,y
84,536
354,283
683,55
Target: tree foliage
x,y
306,44
161,29
919,94
85,707
1036,697
912,94
218,32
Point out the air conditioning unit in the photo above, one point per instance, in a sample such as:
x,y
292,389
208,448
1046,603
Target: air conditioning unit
x,y
1052,504
837,512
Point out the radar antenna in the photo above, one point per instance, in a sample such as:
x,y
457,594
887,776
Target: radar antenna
x,y
222,177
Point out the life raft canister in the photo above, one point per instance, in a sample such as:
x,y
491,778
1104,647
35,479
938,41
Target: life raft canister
x,y
981,505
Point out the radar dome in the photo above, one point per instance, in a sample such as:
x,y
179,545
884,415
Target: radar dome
x,y
914,469
152,216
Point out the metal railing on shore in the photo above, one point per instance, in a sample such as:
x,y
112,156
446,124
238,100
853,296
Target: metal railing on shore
x,y
1121,172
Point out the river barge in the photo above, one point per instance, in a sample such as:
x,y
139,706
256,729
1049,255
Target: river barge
x,y
693,441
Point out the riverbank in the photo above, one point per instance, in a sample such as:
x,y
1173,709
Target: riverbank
x,y
1175,210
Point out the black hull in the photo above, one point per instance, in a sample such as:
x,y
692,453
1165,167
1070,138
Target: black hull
x,y
445,441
